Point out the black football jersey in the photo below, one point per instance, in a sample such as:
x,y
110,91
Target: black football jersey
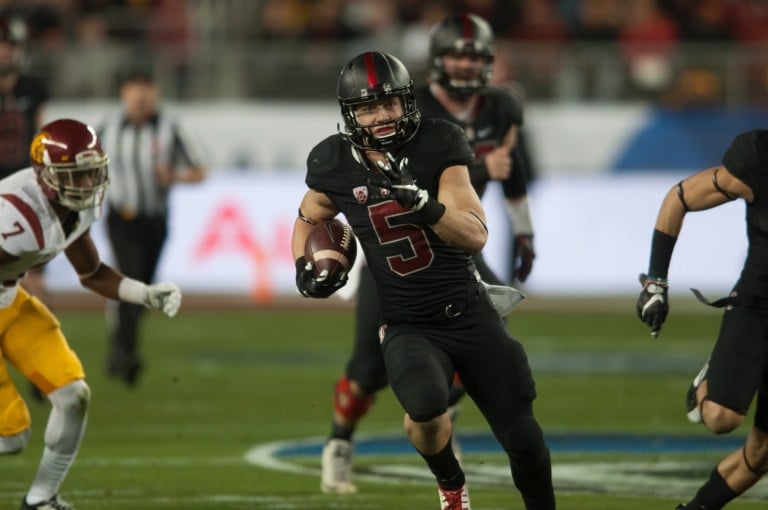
x,y
747,159
416,272
496,112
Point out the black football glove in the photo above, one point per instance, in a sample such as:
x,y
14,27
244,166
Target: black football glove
x,y
653,303
319,287
524,255
396,179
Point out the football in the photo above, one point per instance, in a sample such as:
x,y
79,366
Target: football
x,y
331,247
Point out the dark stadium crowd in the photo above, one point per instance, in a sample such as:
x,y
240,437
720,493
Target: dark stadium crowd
x,y
558,49
168,21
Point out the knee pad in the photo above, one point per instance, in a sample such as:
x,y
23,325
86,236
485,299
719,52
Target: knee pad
x,y
455,394
349,404
429,402
15,443
66,424
72,398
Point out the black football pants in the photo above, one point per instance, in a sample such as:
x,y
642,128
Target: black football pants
x,y
136,244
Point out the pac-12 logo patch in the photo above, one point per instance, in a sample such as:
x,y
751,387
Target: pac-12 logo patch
x,y
361,194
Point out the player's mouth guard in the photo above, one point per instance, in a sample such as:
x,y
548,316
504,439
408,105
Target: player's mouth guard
x,y
503,298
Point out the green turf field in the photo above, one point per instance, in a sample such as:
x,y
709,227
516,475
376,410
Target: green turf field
x,y
218,385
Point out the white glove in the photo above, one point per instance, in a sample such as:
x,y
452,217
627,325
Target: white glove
x,y
165,296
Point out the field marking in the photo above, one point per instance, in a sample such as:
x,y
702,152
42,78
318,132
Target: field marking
x,y
644,478
140,462
277,502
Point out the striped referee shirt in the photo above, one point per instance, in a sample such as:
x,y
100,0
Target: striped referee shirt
x,y
134,153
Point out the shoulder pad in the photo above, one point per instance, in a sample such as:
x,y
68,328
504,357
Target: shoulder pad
x,y
323,158
435,135
747,157
438,136
509,102
20,228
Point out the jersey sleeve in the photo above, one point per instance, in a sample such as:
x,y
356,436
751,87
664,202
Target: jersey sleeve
x,y
20,229
746,158
510,103
322,159
448,142
317,165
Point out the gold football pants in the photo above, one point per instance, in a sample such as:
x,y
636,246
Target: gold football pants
x,y
31,340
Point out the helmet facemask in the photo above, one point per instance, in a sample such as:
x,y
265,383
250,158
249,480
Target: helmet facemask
x,y
71,166
80,185
461,84
361,136
461,36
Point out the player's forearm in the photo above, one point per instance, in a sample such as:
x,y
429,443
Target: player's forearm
x,y
462,229
104,281
671,214
301,230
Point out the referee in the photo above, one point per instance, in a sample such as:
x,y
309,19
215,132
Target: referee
x,y
147,155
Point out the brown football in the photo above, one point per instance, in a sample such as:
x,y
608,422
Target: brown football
x,y
331,247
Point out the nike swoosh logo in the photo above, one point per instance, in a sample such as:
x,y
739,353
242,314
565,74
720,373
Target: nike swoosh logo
x,y
655,299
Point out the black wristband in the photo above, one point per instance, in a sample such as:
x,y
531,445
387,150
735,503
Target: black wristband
x,y
662,246
432,211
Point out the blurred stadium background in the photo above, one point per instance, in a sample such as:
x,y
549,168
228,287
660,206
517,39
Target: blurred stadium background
x,y
622,99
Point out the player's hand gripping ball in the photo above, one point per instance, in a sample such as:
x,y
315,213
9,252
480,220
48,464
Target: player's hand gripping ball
x,y
329,253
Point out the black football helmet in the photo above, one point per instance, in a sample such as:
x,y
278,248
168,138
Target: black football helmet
x,y
369,77
461,34
70,163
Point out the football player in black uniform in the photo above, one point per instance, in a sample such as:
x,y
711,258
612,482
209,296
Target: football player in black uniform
x,y
737,368
403,185
462,54
461,59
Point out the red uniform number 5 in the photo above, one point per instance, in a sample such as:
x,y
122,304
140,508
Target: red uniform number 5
x,y
416,252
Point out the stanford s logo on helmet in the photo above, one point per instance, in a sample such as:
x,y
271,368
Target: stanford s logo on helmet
x,y
369,77
70,164
462,34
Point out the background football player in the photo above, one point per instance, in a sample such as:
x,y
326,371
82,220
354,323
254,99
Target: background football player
x,y
45,210
723,391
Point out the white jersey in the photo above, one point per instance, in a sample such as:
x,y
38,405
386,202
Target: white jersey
x,y
30,229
